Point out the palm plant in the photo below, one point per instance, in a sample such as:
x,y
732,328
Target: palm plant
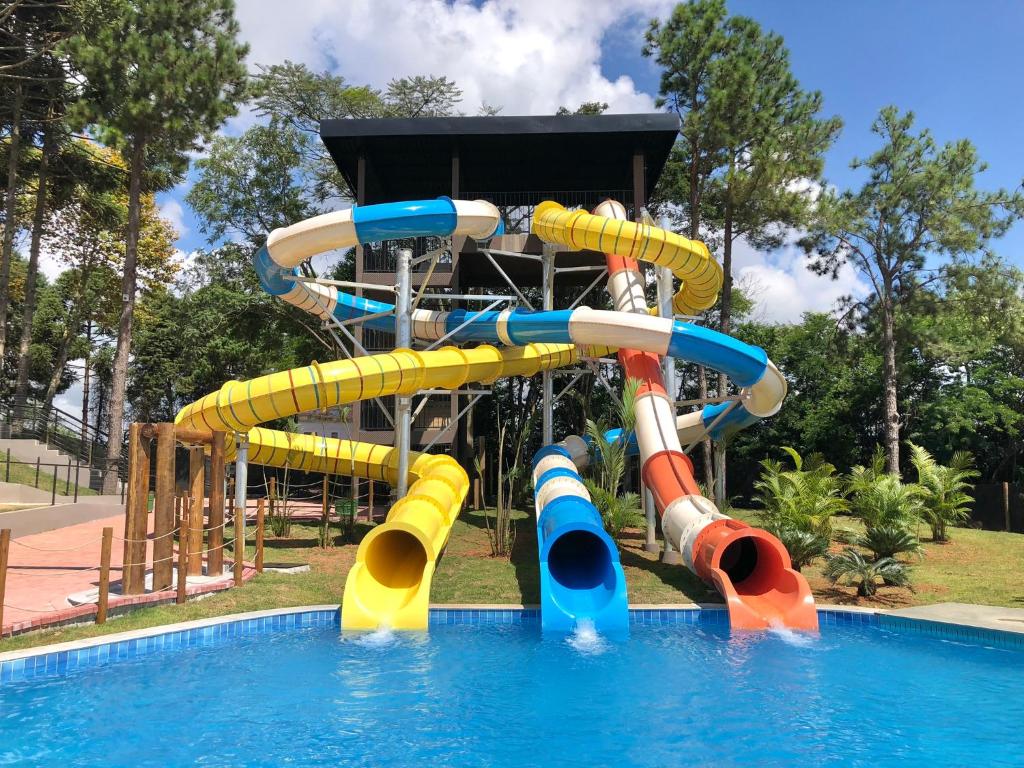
x,y
851,567
618,511
879,498
804,498
803,546
945,500
889,540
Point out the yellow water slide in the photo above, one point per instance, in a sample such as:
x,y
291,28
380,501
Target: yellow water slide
x,y
389,585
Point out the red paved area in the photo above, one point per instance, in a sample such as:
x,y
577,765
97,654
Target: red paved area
x,y
44,568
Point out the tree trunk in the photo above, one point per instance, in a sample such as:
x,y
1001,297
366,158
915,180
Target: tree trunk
x,y
724,325
891,415
702,375
85,389
31,276
60,361
119,372
10,216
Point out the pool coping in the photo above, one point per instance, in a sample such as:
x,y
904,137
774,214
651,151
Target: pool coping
x,y
60,658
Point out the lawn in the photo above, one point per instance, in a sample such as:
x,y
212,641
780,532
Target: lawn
x,y
23,473
976,567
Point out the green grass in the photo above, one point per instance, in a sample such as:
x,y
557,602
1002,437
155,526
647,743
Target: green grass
x,y
24,473
976,567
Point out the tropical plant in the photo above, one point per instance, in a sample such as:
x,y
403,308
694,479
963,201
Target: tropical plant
x,y
804,498
609,461
851,567
803,546
889,540
500,532
879,498
279,512
618,511
945,500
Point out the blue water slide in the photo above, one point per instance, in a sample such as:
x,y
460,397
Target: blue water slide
x,y
581,578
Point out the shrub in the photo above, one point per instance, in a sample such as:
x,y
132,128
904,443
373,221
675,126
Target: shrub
x,y
849,566
618,512
889,540
803,546
945,500
804,498
881,499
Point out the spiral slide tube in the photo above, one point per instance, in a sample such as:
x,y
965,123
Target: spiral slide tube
x,y
581,577
390,581
749,567
381,589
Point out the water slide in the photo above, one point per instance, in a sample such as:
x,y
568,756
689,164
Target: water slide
x,y
389,585
748,566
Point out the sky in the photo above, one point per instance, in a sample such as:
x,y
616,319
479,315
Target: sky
x,y
957,65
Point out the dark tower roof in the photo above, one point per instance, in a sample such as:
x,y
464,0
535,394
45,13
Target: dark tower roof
x,y
412,158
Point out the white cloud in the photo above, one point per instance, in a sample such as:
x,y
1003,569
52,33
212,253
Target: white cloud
x,y
527,56
171,210
783,287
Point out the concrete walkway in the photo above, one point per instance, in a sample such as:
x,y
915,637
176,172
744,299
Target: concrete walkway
x,y
26,522
982,616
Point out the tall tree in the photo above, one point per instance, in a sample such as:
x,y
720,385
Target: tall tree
x,y
918,206
159,74
774,142
31,77
690,47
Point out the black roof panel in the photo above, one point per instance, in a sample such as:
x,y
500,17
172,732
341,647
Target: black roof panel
x,y
411,158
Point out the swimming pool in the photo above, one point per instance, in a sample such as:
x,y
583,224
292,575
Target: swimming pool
x,y
504,695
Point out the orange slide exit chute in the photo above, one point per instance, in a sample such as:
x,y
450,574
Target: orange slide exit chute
x,y
753,572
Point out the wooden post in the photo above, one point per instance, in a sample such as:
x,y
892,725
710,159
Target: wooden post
x,y
177,510
215,541
197,495
259,535
326,514
1006,506
163,509
272,495
133,571
369,505
5,546
239,539
101,603
476,493
182,561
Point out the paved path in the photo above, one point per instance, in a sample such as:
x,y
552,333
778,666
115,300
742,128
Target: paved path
x,y
25,522
44,568
984,616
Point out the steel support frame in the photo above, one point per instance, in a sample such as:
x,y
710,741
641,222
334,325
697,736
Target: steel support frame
x,y
403,339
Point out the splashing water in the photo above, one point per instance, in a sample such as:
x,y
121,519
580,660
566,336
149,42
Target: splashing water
x,y
586,640
381,637
788,636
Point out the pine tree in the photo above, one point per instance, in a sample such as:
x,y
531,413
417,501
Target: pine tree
x,y
159,74
919,201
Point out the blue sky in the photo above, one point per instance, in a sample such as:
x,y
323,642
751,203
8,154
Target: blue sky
x,y
957,65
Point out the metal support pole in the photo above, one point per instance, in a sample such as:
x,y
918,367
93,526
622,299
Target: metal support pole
x,y
403,338
548,287
668,372
241,483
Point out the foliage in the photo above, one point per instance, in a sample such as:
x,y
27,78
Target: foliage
x,y
804,547
501,533
804,498
889,540
879,498
919,201
946,500
849,566
618,510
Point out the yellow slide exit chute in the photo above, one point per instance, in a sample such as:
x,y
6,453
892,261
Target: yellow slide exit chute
x,y
390,581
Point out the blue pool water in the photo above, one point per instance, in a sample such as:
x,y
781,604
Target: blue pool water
x,y
505,696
